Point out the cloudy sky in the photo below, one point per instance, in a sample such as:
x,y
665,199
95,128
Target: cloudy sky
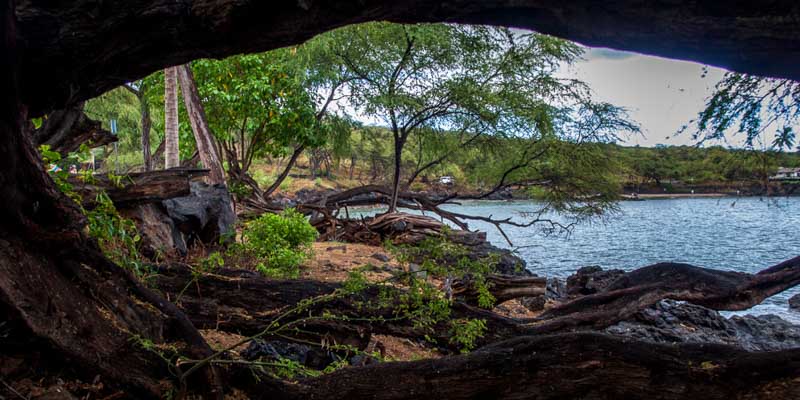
x,y
660,94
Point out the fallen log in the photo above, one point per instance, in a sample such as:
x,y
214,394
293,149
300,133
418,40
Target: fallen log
x,y
641,288
66,130
502,287
565,366
140,187
244,302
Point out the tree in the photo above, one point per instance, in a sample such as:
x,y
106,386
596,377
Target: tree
x,y
202,133
255,109
751,105
138,89
426,81
171,129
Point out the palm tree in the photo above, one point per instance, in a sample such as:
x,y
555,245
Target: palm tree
x,y
784,139
171,150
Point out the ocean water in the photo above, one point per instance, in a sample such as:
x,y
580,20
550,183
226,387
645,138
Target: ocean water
x,y
741,234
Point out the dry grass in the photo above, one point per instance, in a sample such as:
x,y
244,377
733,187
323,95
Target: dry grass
x,y
332,262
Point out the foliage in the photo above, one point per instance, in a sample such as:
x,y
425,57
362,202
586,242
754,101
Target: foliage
x,y
278,243
255,108
444,86
441,257
753,106
465,332
117,237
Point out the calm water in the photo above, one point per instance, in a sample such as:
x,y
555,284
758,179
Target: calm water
x,y
741,234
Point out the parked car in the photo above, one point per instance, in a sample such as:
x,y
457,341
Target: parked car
x,y
446,180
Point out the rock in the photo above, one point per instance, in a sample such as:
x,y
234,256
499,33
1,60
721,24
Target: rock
x,y
417,270
311,195
533,303
556,289
794,302
157,229
205,215
312,357
590,280
676,322
381,257
502,194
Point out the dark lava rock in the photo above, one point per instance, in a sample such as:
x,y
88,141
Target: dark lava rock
x,y
312,357
205,215
676,322
794,302
556,289
590,280
502,194
312,195
381,257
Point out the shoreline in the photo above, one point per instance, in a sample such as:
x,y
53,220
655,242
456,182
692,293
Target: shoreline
x,y
645,196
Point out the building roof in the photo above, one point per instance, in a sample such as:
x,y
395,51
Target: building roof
x,y
784,170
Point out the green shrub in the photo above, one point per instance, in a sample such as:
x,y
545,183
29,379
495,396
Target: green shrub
x,y
466,332
280,243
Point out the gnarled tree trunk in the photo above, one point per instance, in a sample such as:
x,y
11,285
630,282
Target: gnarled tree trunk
x,y
202,133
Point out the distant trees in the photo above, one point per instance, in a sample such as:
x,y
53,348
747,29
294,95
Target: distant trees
x,y
756,107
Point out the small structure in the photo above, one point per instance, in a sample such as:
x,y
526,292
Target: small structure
x,y
446,180
786,174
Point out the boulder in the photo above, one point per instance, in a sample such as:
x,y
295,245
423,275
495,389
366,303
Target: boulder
x,y
590,280
205,215
671,321
157,230
794,302
311,357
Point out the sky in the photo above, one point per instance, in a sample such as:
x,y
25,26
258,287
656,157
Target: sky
x,y
660,94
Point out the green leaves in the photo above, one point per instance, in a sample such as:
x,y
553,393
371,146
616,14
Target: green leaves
x,y
280,243
255,98
749,105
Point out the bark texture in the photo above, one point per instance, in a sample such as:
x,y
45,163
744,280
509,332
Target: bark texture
x,y
66,130
144,187
171,135
119,42
641,288
202,133
569,366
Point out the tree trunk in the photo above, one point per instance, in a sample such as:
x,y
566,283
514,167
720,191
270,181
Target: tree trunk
x,y
275,185
171,134
55,281
399,141
147,123
568,366
66,130
145,187
202,133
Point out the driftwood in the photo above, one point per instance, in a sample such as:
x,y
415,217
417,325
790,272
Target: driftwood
x,y
565,366
502,287
399,227
66,130
641,288
141,187
245,302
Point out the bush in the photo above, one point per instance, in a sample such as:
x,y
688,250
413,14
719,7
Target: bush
x,y
279,243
